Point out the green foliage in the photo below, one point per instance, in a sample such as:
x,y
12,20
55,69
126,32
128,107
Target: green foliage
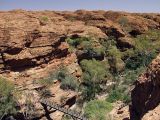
x,y
71,18
69,82
146,47
114,51
123,21
87,45
60,74
94,74
139,59
44,18
7,101
89,90
119,93
126,65
49,80
97,110
148,42
130,76
108,43
114,59
95,70
77,41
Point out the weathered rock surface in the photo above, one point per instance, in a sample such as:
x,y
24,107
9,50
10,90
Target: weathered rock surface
x,y
146,95
32,44
29,39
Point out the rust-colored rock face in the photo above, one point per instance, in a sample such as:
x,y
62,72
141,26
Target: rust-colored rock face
x,y
29,39
33,45
26,42
146,95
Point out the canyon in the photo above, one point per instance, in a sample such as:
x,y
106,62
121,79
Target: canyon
x,y
33,44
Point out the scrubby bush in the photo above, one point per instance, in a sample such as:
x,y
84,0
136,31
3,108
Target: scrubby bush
x,y
94,74
139,59
124,22
49,80
108,42
60,74
69,82
119,93
146,47
7,100
148,43
130,76
115,61
43,20
77,41
87,45
89,90
97,110
95,69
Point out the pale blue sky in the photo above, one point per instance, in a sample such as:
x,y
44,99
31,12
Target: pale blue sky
x,y
116,5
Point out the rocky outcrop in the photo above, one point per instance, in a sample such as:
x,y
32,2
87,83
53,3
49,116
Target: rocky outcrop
x,y
29,39
146,95
32,45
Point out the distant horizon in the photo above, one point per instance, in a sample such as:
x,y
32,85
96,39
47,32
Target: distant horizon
x,y
136,6
79,9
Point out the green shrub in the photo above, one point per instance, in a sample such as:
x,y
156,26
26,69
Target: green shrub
x,y
94,74
108,43
89,90
123,21
97,110
49,80
60,74
87,45
139,59
130,76
7,100
114,96
148,42
95,69
114,51
43,20
69,82
119,93
115,61
77,41
71,18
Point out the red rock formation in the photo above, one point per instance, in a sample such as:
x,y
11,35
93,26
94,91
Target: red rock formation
x,y
26,42
146,95
36,40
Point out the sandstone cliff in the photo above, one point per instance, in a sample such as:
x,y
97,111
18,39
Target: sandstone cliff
x,y
145,95
33,44
29,39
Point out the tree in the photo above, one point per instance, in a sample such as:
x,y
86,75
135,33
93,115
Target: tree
x,y
7,101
